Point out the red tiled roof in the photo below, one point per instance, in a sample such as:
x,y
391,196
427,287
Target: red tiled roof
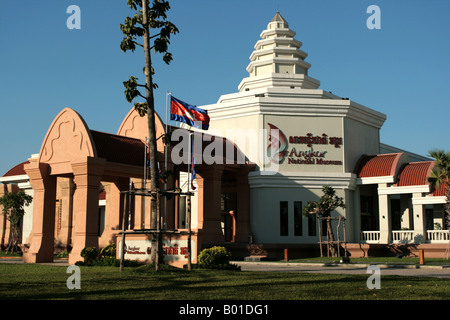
x,y
16,170
414,173
119,149
440,191
378,165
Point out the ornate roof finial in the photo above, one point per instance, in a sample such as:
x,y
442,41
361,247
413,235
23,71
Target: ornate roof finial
x,y
278,59
278,22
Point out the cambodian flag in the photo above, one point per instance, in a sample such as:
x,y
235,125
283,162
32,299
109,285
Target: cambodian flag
x,y
189,114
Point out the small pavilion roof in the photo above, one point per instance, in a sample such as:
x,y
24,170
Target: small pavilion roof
x,y
377,165
414,173
17,170
119,149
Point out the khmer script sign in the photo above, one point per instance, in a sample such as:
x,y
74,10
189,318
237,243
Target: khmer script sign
x,y
173,250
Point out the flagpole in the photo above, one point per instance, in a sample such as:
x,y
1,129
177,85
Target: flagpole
x,y
144,186
168,94
186,113
189,203
129,204
189,159
145,163
165,157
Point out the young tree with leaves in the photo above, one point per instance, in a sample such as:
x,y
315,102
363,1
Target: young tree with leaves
x,y
14,209
440,175
328,202
150,24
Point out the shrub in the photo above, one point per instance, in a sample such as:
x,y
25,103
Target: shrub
x,y
62,254
106,258
109,251
107,262
215,258
89,254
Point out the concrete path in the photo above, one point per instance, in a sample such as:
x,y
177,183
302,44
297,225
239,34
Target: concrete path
x,y
400,270
57,262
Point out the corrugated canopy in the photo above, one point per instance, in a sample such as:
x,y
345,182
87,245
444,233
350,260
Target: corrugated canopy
x,y
414,174
379,165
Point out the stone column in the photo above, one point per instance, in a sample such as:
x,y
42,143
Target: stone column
x,y
385,218
67,190
209,184
87,178
355,230
43,231
405,210
243,207
420,233
115,208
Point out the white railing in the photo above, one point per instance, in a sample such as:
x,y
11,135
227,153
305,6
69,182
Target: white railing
x,y
438,235
370,236
403,236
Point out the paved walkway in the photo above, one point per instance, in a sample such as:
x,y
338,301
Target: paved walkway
x,y
338,268
57,262
400,270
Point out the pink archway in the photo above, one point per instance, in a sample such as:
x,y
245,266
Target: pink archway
x,y
78,164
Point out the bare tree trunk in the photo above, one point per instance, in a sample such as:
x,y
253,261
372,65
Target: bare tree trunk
x,y
151,130
330,237
13,238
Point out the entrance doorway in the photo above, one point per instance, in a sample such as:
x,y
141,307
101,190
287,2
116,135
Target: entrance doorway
x,y
228,208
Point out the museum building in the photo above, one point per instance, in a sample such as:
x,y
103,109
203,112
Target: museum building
x,y
274,144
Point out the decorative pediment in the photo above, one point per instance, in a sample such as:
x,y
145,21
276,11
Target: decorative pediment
x,y
68,139
135,126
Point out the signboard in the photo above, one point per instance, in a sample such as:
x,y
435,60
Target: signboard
x,y
173,250
303,148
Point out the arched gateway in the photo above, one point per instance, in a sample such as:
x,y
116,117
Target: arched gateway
x,y
80,163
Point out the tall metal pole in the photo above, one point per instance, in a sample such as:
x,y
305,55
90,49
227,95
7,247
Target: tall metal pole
x,y
122,252
189,161
144,185
189,205
158,232
165,158
129,205
189,231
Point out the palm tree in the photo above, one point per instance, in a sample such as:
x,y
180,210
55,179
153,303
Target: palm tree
x,y
440,176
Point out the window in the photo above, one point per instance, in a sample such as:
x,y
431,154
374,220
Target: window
x,y
101,220
284,224
182,210
324,226
429,221
396,215
297,218
369,218
228,201
311,225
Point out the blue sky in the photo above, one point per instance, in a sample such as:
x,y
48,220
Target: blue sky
x,y
402,70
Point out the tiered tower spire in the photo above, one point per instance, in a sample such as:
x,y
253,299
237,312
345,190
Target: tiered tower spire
x,y
277,60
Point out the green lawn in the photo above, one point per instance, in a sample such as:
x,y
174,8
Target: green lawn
x,y
23,281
